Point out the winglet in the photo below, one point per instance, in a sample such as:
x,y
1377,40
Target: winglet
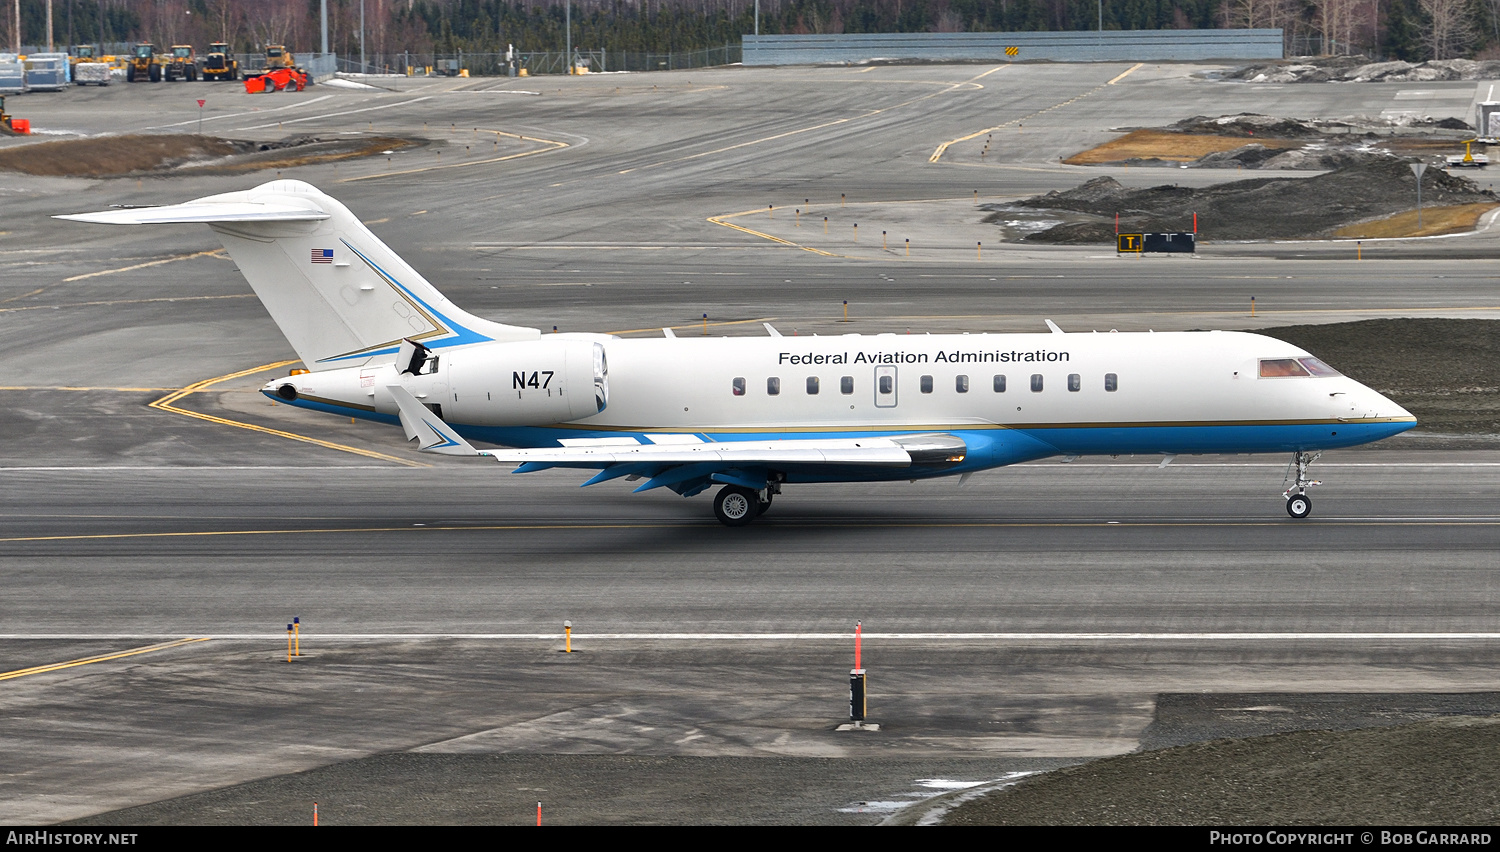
x,y
1052,325
432,434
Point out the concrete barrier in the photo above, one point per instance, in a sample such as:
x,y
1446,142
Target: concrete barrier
x,y
1073,46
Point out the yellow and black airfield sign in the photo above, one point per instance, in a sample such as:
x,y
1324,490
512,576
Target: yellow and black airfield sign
x,y
1012,51
1129,243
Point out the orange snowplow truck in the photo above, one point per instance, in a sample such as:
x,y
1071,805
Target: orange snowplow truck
x,y
281,70
277,80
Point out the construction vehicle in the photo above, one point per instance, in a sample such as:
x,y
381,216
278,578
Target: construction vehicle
x,y
180,64
144,65
277,80
277,56
220,64
1469,159
279,63
88,66
11,126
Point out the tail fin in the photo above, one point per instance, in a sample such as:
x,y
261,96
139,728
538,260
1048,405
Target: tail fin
x,y
337,292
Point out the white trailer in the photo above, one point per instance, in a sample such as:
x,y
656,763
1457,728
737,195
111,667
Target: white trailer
x,y
47,72
12,74
96,73
1487,122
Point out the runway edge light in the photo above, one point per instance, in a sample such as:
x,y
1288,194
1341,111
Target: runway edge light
x,y
858,692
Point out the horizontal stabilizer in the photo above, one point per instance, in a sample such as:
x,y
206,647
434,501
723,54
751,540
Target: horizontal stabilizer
x,y
194,212
432,434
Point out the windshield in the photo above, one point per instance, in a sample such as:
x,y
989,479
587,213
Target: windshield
x,y
143,51
182,52
1281,368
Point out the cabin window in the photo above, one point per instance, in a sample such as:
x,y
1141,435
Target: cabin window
x,y
1111,382
773,386
846,385
812,385
961,384
1036,382
999,384
1075,382
887,384
1278,368
925,384
737,386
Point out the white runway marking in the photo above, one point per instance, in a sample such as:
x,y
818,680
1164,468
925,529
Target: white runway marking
x,y
238,114
333,114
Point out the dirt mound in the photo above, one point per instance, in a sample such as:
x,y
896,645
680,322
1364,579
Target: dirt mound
x,y
1359,69
1254,209
1205,142
156,154
1428,773
1249,124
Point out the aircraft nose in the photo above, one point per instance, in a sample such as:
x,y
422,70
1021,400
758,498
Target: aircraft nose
x,y
1384,407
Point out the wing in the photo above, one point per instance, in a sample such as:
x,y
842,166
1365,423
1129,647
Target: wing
x,y
688,465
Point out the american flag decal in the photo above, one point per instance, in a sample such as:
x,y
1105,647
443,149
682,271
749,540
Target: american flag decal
x,y
322,255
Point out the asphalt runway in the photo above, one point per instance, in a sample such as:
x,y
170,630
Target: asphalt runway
x,y
1027,619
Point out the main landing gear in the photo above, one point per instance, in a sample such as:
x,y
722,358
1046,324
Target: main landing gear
x,y
736,506
1298,504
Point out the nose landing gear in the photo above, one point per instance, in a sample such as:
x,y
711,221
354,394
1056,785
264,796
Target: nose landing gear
x,y
1298,504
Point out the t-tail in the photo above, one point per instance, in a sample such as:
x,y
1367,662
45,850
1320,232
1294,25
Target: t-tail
x,y
338,293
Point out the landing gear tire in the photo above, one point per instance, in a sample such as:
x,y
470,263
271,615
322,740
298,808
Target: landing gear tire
x,y
736,506
1299,506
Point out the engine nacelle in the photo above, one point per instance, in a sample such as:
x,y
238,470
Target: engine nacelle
x,y
528,383
557,379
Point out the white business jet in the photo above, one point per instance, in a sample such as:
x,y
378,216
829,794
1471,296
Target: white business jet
x,y
752,415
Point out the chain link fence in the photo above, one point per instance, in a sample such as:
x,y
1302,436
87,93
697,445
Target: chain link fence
x,y
538,61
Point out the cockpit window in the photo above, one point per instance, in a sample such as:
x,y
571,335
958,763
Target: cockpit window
x,y
1317,367
1278,368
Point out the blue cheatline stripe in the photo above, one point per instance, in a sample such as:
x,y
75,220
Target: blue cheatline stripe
x,y
987,448
461,334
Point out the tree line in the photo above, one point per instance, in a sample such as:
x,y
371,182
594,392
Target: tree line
x,y
1392,29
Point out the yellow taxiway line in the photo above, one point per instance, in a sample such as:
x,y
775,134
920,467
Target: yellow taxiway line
x,y
719,220
54,667
943,148
168,403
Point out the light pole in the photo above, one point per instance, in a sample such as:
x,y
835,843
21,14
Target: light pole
x,y
362,68
757,16
324,8
568,39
